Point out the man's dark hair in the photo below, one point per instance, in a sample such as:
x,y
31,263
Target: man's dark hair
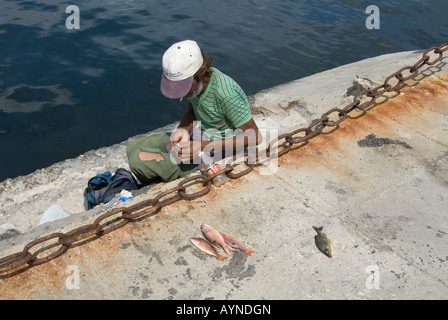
x,y
204,73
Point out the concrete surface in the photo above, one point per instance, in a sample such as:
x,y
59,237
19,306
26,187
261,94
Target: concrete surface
x,y
378,185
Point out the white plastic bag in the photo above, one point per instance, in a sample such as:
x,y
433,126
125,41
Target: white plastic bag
x,y
54,213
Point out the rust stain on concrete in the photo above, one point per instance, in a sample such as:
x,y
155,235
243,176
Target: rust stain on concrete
x,y
98,256
416,107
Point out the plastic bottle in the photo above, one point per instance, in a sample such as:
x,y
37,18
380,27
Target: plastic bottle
x,y
210,167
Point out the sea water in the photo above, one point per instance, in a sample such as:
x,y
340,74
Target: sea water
x,y
64,91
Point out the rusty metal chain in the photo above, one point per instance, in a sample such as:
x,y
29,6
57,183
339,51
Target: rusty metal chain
x,y
119,217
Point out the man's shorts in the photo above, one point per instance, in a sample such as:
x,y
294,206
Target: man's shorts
x,y
151,171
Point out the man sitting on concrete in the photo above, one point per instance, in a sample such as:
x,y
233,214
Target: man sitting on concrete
x,y
218,120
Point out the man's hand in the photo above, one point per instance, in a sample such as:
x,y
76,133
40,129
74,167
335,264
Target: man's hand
x,y
179,136
188,151
182,134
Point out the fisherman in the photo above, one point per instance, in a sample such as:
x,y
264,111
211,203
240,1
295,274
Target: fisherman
x,y
218,119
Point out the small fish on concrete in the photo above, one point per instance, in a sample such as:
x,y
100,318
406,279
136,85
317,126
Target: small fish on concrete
x,y
231,241
322,242
215,238
207,248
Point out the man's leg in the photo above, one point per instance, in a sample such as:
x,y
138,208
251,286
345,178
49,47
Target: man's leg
x,y
148,156
150,161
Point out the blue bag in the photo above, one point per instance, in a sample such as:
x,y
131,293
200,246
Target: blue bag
x,y
103,187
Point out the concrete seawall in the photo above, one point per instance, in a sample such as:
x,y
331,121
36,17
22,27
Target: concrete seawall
x,y
23,200
378,184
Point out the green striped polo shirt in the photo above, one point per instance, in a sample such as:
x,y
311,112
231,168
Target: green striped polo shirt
x,y
222,108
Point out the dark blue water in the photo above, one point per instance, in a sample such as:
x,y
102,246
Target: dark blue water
x,y
63,92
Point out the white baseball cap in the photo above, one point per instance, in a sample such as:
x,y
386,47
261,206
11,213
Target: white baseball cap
x,y
180,62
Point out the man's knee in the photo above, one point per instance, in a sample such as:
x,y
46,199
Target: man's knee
x,y
140,169
129,149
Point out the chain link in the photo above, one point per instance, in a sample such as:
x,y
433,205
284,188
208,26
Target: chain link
x,y
119,217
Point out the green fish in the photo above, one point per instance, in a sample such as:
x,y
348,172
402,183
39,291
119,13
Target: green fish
x,y
322,242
